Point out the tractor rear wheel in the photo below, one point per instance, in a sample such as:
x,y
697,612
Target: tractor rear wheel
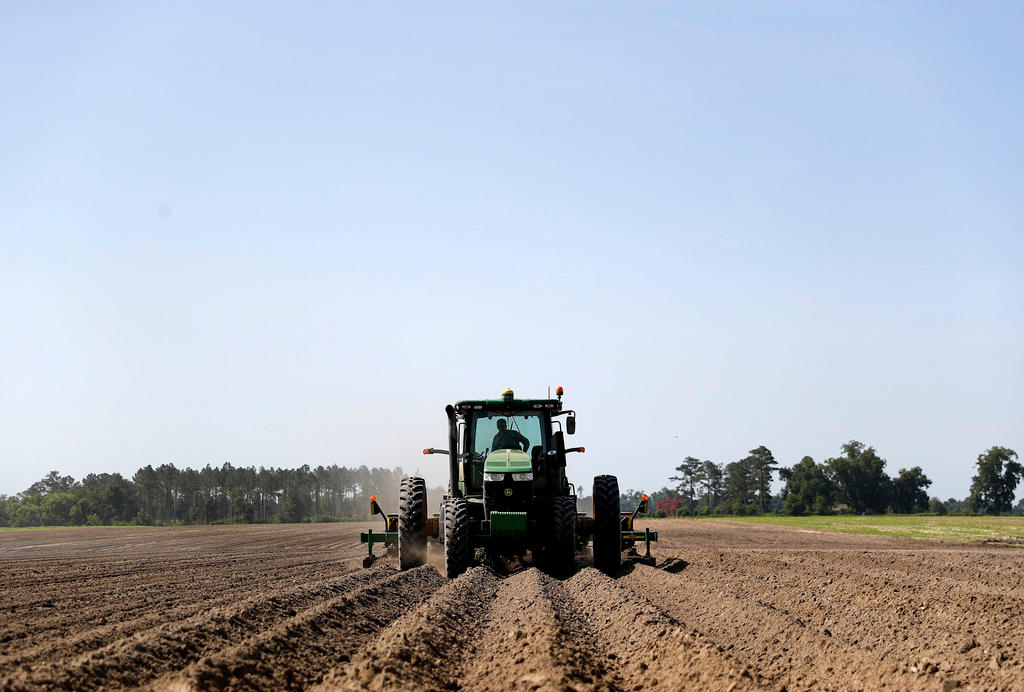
x,y
607,536
561,550
412,515
457,548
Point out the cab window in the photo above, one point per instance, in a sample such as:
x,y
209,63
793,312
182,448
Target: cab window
x,y
485,429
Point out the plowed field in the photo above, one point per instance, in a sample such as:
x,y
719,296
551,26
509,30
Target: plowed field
x,y
729,606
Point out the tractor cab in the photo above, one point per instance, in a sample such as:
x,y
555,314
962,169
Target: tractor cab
x,y
513,450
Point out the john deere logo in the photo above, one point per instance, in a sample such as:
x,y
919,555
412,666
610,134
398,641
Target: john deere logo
x,y
508,491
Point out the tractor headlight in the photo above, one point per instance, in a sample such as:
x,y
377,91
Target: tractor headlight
x,y
528,476
495,477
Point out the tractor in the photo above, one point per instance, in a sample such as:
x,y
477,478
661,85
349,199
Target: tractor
x,y
509,495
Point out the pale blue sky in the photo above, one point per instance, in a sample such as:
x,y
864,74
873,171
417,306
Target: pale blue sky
x,y
276,234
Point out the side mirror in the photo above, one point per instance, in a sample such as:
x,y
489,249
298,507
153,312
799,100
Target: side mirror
x,y
570,425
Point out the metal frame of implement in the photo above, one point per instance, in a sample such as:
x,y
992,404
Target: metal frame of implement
x,y
389,536
628,535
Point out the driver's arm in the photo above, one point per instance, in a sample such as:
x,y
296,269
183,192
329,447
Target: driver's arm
x,y
526,442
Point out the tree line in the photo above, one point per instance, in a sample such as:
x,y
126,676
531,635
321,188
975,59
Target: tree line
x,y
854,482
213,494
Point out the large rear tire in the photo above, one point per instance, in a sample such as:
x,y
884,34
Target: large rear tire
x,y
607,537
561,552
457,548
412,515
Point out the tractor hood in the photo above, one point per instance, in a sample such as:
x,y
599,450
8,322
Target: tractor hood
x,y
507,461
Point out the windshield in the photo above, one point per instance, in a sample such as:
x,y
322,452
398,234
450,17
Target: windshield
x,y
498,431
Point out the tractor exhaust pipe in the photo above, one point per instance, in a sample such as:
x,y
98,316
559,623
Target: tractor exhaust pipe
x,y
453,452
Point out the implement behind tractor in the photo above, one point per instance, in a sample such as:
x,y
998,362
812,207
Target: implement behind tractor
x,y
508,494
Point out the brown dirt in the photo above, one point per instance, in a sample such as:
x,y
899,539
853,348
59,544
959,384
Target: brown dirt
x,y
729,606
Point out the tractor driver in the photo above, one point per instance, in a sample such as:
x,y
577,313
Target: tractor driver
x,y
508,439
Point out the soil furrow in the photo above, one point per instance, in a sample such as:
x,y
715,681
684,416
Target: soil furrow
x,y
782,648
421,650
123,606
131,661
736,606
651,648
536,632
93,629
528,643
296,653
913,631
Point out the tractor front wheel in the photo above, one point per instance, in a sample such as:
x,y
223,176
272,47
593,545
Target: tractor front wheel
x,y
607,536
561,557
412,515
457,548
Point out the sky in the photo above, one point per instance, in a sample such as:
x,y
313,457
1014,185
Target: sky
x,y
276,234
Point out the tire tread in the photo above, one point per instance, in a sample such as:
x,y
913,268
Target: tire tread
x,y
607,536
457,548
412,515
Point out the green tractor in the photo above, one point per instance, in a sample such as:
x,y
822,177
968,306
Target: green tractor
x,y
509,494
